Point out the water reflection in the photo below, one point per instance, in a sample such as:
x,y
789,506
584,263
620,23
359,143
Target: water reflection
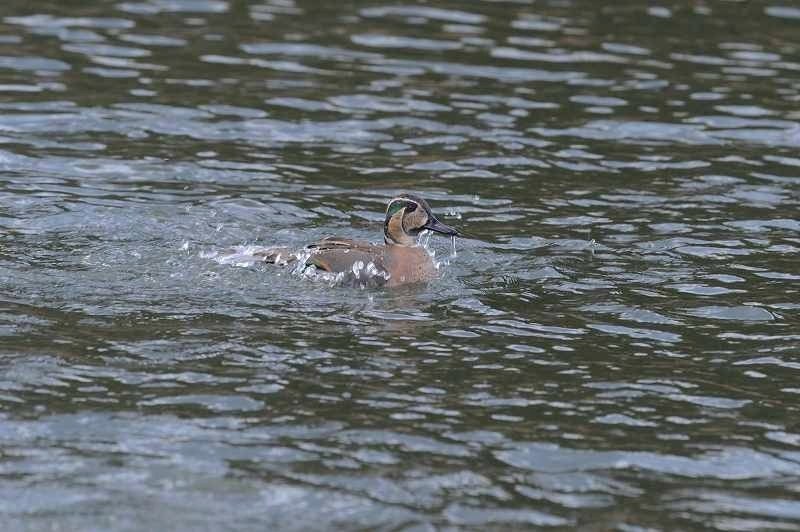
x,y
614,346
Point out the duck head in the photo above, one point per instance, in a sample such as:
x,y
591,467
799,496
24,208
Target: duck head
x,y
406,217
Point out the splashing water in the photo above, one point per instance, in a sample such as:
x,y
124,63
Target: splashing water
x,y
361,275
239,256
424,238
299,265
357,267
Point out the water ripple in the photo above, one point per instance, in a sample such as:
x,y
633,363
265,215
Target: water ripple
x,y
616,329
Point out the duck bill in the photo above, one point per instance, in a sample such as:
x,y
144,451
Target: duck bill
x,y
438,227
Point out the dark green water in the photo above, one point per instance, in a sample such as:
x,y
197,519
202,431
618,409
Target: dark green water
x,y
615,348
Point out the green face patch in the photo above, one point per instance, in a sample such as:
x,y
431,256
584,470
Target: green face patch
x,y
395,206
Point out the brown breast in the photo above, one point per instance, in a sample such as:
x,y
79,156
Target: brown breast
x,y
408,265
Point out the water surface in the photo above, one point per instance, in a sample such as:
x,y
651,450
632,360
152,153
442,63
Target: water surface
x,y
614,347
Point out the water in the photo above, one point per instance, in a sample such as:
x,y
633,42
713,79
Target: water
x,y
615,345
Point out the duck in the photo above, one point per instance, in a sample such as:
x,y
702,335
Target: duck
x,y
400,260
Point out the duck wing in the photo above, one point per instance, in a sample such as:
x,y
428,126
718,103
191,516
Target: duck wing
x,y
335,242
335,255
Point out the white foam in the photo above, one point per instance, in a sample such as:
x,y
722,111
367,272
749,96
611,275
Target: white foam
x,y
240,256
360,275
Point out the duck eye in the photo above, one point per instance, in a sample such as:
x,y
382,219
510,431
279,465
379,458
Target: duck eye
x,y
411,207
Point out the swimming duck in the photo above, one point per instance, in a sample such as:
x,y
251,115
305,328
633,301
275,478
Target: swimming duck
x,y
399,260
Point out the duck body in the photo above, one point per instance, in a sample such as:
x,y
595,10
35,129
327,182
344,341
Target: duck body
x,y
398,261
386,265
